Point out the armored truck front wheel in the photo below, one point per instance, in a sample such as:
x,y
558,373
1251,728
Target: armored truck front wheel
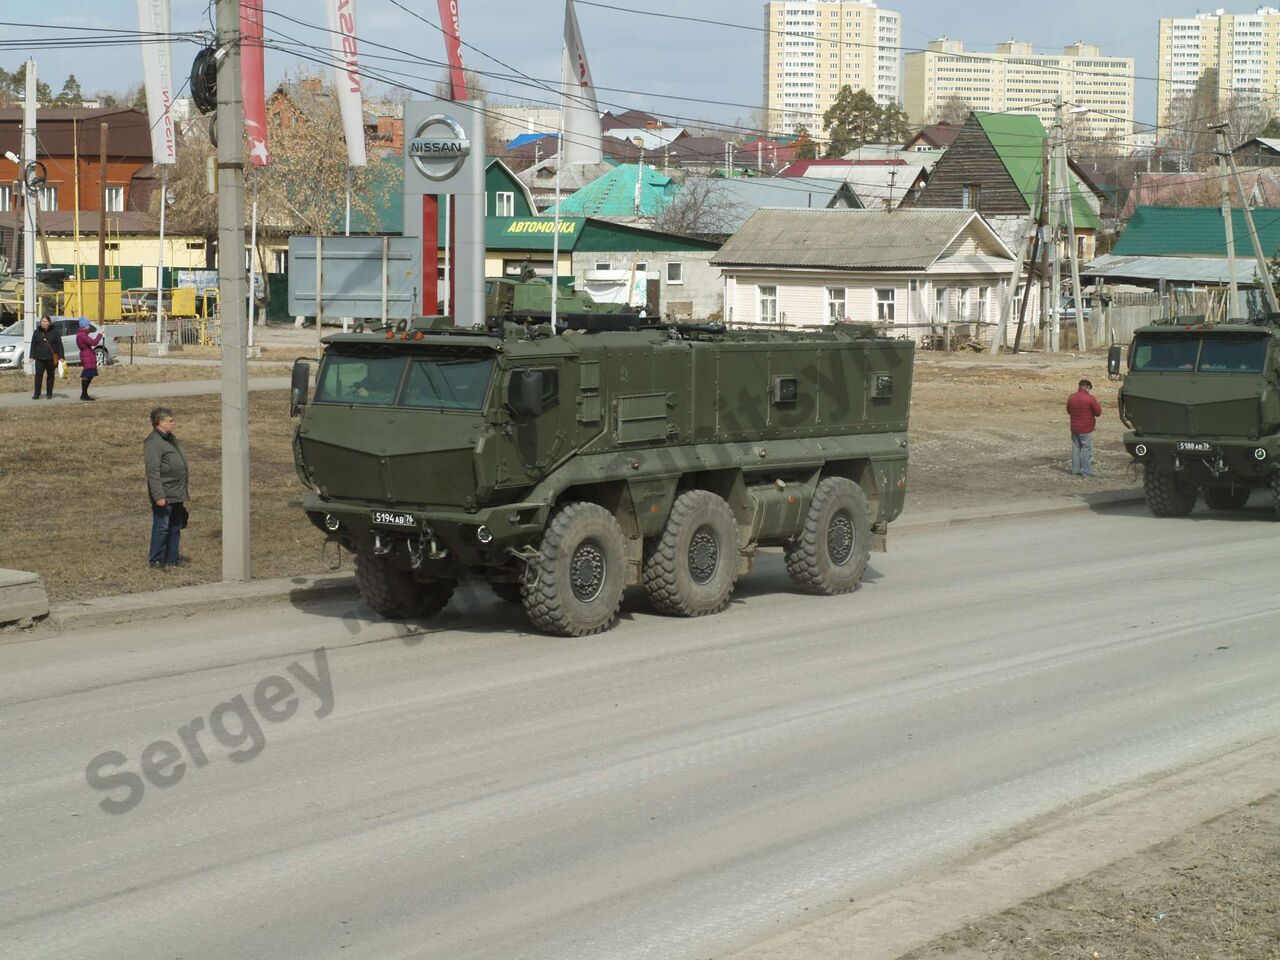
x,y
1166,496
396,593
691,568
830,554
574,586
1226,498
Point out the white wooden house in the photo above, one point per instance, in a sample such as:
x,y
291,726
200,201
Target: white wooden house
x,y
912,271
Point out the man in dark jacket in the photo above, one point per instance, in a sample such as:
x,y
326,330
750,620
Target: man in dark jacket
x,y
46,351
167,488
1084,410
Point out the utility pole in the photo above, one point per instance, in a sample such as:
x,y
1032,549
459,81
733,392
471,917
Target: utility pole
x,y
1055,229
1043,234
30,308
1233,305
1264,272
232,298
1073,252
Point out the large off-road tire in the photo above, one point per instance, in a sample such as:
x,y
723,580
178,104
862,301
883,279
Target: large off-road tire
x,y
1226,498
395,593
690,570
830,554
574,586
1275,494
506,591
1165,496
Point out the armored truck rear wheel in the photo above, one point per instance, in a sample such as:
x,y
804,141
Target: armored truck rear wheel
x,y
395,593
574,586
830,554
1226,498
691,569
1166,497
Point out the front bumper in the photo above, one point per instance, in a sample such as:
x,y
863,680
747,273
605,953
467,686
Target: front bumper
x,y
11,361
1242,458
479,539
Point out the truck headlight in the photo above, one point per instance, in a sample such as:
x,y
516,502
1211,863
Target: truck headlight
x,y
1259,454
1140,450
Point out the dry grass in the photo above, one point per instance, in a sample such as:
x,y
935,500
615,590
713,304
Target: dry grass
x,y
119,374
981,432
90,458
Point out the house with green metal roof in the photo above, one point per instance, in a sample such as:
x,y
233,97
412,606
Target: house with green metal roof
x,y
994,166
630,192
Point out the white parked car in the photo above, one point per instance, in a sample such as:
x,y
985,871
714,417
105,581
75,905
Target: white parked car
x,y
13,346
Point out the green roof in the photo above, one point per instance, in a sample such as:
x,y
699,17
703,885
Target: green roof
x,y
1018,139
1196,232
614,194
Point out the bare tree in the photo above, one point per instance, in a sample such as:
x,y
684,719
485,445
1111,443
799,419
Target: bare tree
x,y
703,207
951,110
1191,117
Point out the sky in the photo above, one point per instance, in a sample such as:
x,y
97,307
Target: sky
x,y
649,60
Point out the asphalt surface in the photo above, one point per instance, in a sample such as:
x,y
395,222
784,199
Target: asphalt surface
x,y
672,789
67,391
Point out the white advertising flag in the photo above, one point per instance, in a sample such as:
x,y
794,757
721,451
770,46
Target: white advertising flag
x,y
580,142
157,75
346,76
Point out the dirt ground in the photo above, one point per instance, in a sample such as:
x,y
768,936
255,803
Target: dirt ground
x,y
120,374
1211,893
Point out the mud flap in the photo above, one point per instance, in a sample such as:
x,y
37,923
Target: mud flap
x,y
880,537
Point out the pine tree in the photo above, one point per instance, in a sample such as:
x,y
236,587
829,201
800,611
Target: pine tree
x,y
893,127
853,119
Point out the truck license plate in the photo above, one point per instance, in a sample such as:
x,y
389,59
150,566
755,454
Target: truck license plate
x,y
1193,446
388,519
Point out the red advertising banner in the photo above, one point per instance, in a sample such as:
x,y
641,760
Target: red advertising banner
x,y
251,80
453,47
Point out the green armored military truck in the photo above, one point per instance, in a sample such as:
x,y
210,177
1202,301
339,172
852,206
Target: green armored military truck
x,y
562,469
1202,404
529,300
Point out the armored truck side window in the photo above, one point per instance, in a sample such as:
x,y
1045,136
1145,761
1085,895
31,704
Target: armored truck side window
x,y
448,381
1161,355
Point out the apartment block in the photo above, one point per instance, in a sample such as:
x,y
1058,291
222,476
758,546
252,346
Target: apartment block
x,y
812,48
1243,47
1015,79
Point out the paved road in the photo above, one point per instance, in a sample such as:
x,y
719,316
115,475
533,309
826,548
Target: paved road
x,y
138,391
669,790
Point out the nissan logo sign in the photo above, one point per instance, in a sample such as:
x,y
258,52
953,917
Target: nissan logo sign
x,y
439,147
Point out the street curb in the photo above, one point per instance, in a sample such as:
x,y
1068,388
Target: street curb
x,y
1032,508
182,602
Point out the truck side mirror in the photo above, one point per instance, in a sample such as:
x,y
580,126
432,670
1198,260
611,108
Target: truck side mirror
x,y
1115,357
525,392
300,387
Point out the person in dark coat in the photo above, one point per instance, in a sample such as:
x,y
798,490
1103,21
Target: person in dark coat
x,y
166,487
85,342
46,351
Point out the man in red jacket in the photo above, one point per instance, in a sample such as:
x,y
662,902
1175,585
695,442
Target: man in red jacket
x,y
1084,410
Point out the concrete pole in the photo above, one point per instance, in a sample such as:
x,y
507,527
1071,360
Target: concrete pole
x,y
1264,272
1233,309
164,204
1073,251
1043,237
232,294
1055,250
30,306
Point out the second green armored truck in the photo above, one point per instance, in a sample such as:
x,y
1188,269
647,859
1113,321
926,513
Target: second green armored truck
x,y
563,469
1202,401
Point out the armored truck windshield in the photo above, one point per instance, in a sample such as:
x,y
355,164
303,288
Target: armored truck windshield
x,y
440,379
1232,353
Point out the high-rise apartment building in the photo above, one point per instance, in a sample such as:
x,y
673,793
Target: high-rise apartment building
x,y
1015,79
1243,47
812,48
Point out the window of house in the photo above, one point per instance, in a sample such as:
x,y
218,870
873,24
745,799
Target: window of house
x,y
281,261
6,199
115,199
836,305
675,273
48,198
970,196
962,306
885,304
984,304
504,204
603,265
641,268
939,304
768,297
